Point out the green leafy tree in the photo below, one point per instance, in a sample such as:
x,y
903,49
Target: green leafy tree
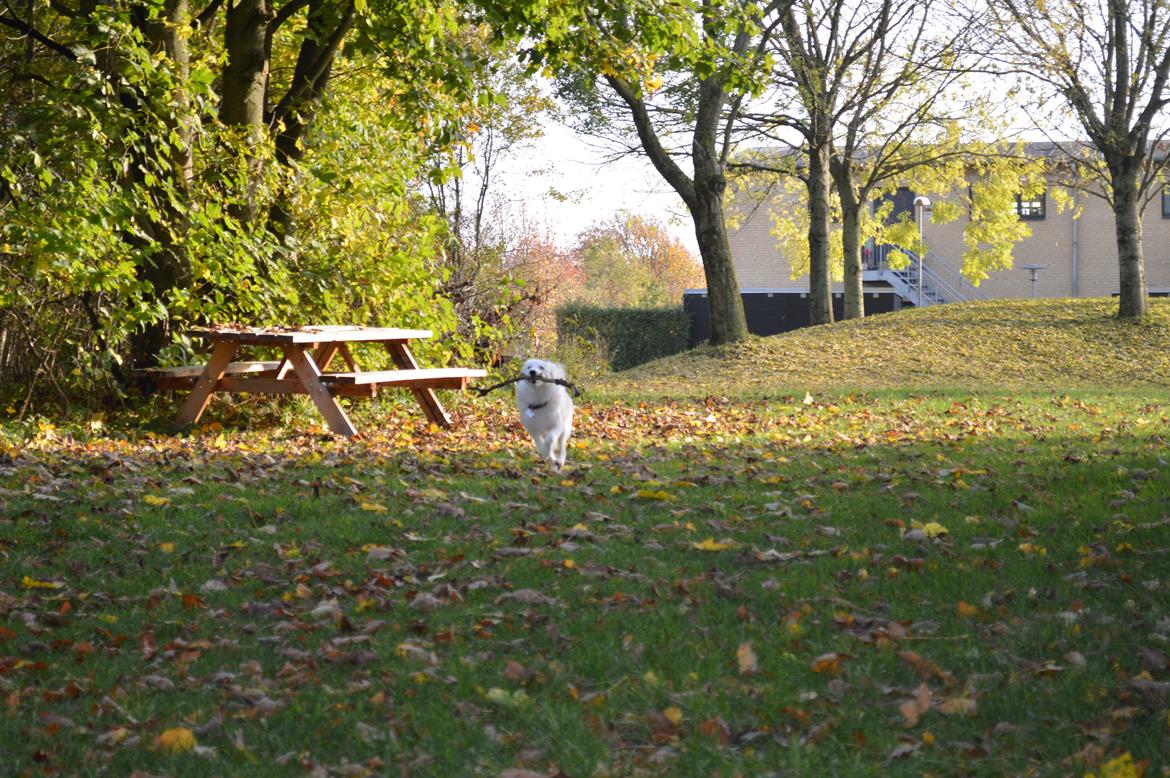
x,y
982,183
674,76
162,165
867,95
1103,64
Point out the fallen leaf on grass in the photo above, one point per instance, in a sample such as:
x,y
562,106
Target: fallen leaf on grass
x,y
716,728
32,583
746,656
913,709
175,740
924,667
966,610
829,664
526,597
963,705
710,544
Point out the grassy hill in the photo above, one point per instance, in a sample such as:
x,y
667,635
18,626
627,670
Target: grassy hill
x,y
1004,344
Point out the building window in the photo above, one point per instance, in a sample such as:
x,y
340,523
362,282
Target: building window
x,y
1166,201
1031,208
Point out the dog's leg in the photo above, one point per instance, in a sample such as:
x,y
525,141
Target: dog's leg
x,y
544,444
561,446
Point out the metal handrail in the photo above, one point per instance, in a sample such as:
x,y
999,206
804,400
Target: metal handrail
x,y
940,282
959,287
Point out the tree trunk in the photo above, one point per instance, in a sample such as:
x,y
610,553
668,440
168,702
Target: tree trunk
x,y
245,78
165,265
1127,212
245,85
728,322
850,238
819,279
704,198
328,24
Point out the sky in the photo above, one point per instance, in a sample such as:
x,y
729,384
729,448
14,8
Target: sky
x,y
594,189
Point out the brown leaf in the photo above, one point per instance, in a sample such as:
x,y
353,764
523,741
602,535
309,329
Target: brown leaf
x,y
829,664
716,728
516,672
902,750
1153,660
924,667
746,656
957,706
913,709
661,728
526,597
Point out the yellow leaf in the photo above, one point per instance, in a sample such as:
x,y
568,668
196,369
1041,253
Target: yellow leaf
x,y
175,740
32,583
154,499
652,494
710,544
967,610
932,529
673,715
373,507
167,548
568,564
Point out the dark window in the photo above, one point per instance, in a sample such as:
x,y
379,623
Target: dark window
x,y
1031,208
1166,202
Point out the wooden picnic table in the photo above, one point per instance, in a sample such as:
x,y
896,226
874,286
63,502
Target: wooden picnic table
x,y
304,369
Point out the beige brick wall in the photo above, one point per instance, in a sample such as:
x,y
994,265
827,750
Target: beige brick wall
x,y
760,264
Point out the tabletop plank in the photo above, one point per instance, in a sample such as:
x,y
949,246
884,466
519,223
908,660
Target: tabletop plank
x,y
309,334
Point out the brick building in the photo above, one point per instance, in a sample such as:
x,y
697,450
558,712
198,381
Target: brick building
x,y
1078,256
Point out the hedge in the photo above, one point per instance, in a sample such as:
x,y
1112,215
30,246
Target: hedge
x,y
630,336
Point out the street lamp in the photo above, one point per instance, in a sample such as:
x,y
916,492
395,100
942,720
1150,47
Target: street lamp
x,y
921,206
1033,271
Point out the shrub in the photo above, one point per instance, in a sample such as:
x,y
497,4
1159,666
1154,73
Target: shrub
x,y
630,336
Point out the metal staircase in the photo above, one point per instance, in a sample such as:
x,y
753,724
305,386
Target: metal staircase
x,y
921,283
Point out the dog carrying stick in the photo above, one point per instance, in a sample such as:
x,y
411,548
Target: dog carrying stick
x,y
558,381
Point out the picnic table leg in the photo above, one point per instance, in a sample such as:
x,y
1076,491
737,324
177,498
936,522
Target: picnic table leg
x,y
221,357
310,376
425,397
324,355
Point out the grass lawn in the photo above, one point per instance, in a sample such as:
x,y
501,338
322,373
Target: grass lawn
x,y
788,558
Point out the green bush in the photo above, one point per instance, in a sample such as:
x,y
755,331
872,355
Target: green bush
x,y
630,336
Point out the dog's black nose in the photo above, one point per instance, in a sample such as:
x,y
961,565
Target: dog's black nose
x,y
532,373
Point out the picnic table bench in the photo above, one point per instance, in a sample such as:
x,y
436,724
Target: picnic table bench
x,y
304,369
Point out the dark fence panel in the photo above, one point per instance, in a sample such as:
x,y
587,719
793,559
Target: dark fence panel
x,y
770,313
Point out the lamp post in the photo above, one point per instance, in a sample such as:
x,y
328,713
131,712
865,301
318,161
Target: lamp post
x,y
921,206
1033,271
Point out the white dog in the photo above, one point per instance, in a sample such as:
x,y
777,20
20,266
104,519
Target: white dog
x,y
546,410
